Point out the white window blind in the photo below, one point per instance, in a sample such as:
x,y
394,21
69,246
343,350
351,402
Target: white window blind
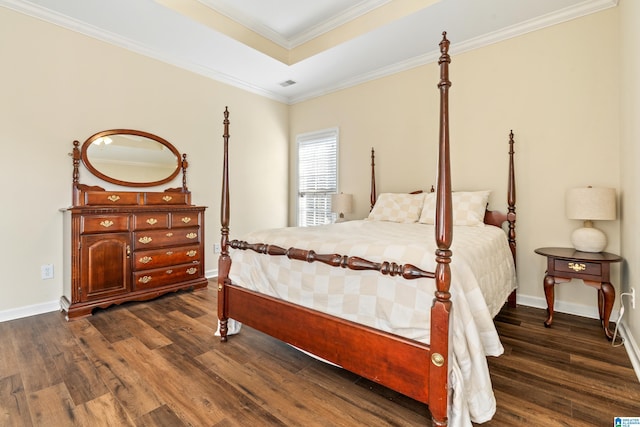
x,y
317,176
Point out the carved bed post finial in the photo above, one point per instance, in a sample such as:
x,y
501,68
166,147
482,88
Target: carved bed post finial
x,y
224,262
373,195
441,308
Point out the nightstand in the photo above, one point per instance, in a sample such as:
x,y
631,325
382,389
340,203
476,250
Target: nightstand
x,y
564,264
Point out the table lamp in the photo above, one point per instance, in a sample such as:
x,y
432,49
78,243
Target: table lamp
x,y
341,204
590,204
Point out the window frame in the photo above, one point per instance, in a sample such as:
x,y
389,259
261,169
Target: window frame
x,y
310,137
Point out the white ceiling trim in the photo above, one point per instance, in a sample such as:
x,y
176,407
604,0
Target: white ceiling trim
x,y
564,15
348,15
64,21
37,11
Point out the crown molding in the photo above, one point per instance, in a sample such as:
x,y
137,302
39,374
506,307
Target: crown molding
x,y
52,17
332,23
558,17
585,8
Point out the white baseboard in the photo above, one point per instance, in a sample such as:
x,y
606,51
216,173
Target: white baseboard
x,y
631,346
29,310
590,311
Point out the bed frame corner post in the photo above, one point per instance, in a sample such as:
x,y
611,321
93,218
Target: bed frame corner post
x,y
441,308
224,261
511,213
373,196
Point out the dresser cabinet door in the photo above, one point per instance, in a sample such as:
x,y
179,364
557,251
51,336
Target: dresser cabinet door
x,y
105,266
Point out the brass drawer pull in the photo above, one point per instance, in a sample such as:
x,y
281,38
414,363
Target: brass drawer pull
x,y
152,221
167,198
192,235
106,223
145,239
192,270
169,234
186,219
192,253
113,198
144,279
576,266
145,259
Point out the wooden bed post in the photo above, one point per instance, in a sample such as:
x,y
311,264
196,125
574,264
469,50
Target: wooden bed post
x,y
224,262
511,213
441,309
373,196
511,199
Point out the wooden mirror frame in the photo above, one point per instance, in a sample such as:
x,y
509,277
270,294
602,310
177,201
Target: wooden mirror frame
x,y
180,161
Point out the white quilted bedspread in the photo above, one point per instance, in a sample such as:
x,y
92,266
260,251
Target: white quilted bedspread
x,y
483,276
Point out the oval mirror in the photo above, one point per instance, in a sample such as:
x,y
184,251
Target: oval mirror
x,y
131,158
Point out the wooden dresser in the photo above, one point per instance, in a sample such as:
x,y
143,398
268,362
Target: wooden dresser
x,y
129,245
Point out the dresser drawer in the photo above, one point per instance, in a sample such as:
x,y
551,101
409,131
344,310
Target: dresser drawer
x,y
165,276
112,198
168,237
144,260
185,219
167,198
104,224
150,221
577,267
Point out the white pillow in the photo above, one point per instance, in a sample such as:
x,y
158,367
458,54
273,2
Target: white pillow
x,y
397,207
468,208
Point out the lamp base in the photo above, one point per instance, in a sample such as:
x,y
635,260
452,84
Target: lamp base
x,y
588,239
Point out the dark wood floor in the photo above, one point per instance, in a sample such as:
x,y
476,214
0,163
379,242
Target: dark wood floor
x,y
157,363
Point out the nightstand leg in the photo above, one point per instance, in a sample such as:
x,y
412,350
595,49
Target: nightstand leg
x,y
608,293
549,284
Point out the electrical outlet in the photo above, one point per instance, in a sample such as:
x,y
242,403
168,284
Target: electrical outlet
x,y
46,271
216,248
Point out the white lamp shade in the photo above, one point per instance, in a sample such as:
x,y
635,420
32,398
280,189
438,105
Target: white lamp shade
x,y
591,203
342,203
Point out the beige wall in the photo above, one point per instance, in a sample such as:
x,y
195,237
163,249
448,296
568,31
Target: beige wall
x,y
630,154
555,88
58,86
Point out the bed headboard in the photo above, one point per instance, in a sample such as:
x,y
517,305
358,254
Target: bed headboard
x,y
491,217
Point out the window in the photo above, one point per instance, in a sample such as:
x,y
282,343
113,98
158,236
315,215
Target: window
x,y
317,176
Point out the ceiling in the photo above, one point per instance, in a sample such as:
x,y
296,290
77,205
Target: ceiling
x,y
321,45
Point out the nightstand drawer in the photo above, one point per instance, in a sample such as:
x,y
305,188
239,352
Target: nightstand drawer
x,y
590,268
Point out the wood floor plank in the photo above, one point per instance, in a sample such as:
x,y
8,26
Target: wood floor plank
x,y
14,409
52,406
35,360
9,361
160,417
104,411
123,324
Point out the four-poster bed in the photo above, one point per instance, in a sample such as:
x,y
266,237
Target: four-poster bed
x,y
380,344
